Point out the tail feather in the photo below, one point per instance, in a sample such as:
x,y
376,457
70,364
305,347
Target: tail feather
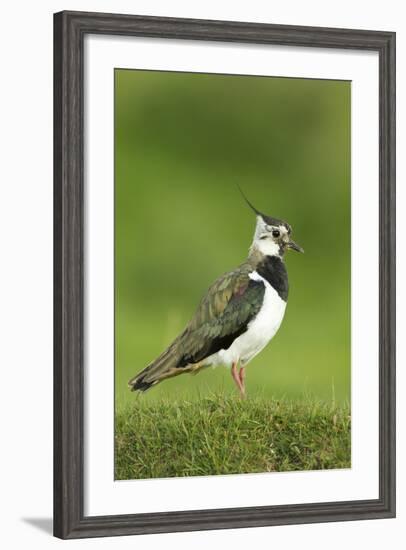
x,y
139,384
165,366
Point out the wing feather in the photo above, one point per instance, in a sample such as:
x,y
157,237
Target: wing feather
x,y
223,315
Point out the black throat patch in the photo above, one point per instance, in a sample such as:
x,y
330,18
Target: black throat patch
x,y
273,270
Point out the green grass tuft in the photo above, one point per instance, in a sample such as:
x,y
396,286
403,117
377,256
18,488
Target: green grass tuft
x,y
224,435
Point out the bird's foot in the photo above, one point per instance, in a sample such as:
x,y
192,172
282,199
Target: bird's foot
x,y
239,378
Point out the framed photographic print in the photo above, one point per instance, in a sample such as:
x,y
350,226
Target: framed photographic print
x,y
224,275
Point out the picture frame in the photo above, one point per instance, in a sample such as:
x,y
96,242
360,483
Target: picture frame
x,y
70,30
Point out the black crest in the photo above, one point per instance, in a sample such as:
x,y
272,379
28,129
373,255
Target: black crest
x,y
269,220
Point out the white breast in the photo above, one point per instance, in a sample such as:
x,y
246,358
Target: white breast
x,y
259,331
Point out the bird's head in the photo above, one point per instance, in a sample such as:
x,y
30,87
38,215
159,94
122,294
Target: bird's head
x,y
272,236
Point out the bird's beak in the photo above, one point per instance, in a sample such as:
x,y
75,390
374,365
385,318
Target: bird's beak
x,y
294,246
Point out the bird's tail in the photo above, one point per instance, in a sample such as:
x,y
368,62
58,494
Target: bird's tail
x,y
165,366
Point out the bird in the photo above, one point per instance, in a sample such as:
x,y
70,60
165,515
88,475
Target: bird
x,y
237,317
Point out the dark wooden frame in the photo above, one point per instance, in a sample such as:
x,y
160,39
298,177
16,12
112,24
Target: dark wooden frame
x,y
69,31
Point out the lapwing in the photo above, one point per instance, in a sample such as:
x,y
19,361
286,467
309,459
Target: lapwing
x,y
239,315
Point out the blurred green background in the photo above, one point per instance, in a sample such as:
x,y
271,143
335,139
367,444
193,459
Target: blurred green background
x,y
183,141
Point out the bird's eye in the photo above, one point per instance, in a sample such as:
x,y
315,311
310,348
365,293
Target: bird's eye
x,y
276,233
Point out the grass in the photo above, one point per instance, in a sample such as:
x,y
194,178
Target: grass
x,y
224,435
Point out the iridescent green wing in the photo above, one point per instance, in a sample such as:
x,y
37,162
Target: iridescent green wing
x,y
223,315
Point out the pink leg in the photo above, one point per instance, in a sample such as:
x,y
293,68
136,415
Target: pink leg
x,y
236,378
241,375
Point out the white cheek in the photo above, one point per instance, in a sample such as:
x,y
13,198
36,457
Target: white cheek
x,y
267,247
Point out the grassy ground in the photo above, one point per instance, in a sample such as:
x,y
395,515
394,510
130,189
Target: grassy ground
x,y
224,435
